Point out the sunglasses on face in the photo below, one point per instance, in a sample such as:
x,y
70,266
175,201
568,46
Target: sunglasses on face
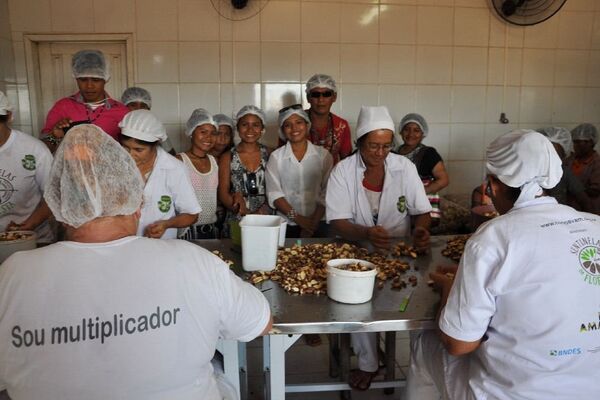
x,y
316,95
292,107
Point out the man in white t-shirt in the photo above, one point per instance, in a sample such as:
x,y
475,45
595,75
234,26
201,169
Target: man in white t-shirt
x,y
106,314
520,319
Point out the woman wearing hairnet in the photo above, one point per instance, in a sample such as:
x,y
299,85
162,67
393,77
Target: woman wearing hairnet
x,y
585,163
242,169
374,195
203,171
297,176
169,199
413,129
225,138
91,104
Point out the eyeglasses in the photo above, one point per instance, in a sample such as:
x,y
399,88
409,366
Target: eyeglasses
x,y
316,95
292,107
373,147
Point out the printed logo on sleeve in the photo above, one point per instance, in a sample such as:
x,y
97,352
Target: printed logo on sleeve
x,y
401,204
164,204
28,162
588,255
575,351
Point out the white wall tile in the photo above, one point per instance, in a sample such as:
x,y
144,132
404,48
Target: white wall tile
x,y
435,25
434,103
497,75
471,3
439,138
244,94
359,63
178,139
157,62
21,111
538,67
246,62
571,67
20,66
591,104
7,60
398,24
197,20
226,99
536,105
320,22
575,30
501,32
471,174
280,62
247,30
277,96
165,101
434,64
156,21
397,64
470,65
579,5
280,21
199,61
596,31
355,96
502,100
320,58
435,2
468,104
197,95
72,16
466,141
542,36
471,26
112,16
593,69
30,15
226,62
493,131
568,104
400,100
359,23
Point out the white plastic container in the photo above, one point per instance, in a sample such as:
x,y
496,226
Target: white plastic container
x,y
260,238
7,247
349,286
282,230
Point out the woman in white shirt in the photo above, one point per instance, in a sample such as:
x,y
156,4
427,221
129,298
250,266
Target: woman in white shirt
x,y
297,176
169,199
203,171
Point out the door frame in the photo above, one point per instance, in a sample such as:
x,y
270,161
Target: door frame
x,y
32,62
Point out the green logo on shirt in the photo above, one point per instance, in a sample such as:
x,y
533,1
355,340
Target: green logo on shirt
x,y
28,162
588,254
164,204
401,204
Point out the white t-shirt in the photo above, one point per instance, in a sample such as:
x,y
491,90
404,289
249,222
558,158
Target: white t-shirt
x,y
403,194
24,170
529,281
302,183
135,318
168,192
205,186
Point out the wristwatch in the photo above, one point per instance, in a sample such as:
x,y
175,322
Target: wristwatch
x,y
292,214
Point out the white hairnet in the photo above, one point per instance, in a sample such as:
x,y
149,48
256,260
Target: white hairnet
x,y
585,131
560,136
320,81
133,94
289,111
143,125
414,118
524,159
92,176
90,64
250,109
199,117
5,106
222,119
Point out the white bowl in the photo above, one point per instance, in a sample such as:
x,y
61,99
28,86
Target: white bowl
x,y
7,247
349,286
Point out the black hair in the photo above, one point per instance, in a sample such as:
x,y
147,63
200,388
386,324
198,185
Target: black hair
x,y
138,141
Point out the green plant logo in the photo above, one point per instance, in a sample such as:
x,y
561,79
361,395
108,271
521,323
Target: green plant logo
x,y
164,204
589,258
401,204
28,162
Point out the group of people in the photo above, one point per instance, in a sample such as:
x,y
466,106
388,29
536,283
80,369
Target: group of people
x,y
109,304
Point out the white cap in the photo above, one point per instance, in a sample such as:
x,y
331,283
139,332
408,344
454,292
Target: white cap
x,y
320,81
199,117
284,115
372,118
560,136
250,109
5,107
524,159
90,64
143,125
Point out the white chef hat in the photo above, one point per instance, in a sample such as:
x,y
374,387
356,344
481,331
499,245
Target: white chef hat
x,y
372,118
5,106
560,136
143,125
287,112
524,159
199,117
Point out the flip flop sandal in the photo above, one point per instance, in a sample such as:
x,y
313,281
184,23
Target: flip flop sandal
x,y
361,380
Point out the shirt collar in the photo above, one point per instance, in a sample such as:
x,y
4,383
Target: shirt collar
x,y
108,104
288,153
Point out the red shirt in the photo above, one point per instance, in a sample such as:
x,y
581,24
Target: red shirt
x,y
335,137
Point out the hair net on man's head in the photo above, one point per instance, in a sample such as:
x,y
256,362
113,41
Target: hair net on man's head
x,y
287,112
222,119
560,136
136,94
90,64
585,131
524,159
199,117
5,106
143,125
320,81
250,109
92,176
416,119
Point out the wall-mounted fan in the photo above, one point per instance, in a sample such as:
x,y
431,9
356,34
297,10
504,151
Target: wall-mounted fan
x,y
527,12
238,10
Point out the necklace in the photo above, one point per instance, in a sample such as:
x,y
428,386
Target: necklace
x,y
191,153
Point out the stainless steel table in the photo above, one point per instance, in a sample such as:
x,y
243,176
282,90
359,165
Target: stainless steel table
x,y
296,315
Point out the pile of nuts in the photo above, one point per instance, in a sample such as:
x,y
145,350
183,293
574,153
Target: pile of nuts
x,y
355,267
455,247
301,269
403,249
10,236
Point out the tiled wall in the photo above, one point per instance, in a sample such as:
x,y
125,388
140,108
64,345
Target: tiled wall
x,y
7,62
451,60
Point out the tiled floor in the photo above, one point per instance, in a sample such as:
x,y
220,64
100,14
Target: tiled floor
x,y
306,364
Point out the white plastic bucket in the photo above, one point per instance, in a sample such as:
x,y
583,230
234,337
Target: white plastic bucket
x,y
349,286
282,230
7,247
260,238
